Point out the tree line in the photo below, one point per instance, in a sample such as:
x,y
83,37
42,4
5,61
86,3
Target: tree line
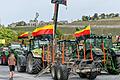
x,y
97,16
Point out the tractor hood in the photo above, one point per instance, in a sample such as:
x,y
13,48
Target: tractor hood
x,y
37,52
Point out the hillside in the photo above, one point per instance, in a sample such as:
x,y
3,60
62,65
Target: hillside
x,y
109,21
70,29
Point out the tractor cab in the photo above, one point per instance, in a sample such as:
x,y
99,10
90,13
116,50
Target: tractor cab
x,y
36,46
111,53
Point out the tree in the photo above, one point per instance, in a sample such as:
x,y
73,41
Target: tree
x,y
102,16
7,34
84,18
77,29
96,16
107,16
59,34
117,15
111,15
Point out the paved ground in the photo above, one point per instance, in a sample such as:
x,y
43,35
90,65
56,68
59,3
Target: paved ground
x,y
24,76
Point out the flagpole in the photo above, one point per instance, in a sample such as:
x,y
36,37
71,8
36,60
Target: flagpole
x,y
55,29
56,18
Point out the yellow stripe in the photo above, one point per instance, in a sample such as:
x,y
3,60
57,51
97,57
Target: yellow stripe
x,y
45,27
24,33
87,28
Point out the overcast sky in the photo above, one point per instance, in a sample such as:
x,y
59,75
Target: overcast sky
x,y
17,10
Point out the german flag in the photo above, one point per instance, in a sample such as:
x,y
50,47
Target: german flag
x,y
43,30
83,32
24,35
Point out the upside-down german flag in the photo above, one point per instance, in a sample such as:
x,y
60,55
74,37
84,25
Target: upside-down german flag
x,y
43,30
24,35
83,32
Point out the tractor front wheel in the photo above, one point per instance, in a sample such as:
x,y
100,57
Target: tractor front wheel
x,y
34,65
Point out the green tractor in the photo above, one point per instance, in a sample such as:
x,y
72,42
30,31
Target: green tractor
x,y
111,55
91,51
31,59
69,60
34,56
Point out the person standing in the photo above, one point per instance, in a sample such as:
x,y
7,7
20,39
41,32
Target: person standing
x,y
11,64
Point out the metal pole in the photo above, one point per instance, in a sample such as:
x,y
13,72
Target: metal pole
x,y
56,18
55,28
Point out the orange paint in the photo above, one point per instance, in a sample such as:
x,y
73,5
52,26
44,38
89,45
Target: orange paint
x,y
63,57
48,54
104,53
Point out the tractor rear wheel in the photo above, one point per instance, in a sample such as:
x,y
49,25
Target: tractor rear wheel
x,y
54,71
62,72
111,65
34,65
118,64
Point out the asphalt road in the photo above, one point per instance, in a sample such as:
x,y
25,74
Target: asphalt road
x,y
4,72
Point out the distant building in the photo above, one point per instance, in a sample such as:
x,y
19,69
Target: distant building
x,y
12,25
63,22
20,23
33,23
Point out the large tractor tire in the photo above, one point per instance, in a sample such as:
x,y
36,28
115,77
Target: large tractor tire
x,y
19,62
118,63
53,71
62,72
109,65
34,65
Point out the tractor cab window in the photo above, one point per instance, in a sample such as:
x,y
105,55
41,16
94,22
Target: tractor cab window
x,y
36,44
39,43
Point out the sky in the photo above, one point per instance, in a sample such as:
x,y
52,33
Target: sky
x,y
25,10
